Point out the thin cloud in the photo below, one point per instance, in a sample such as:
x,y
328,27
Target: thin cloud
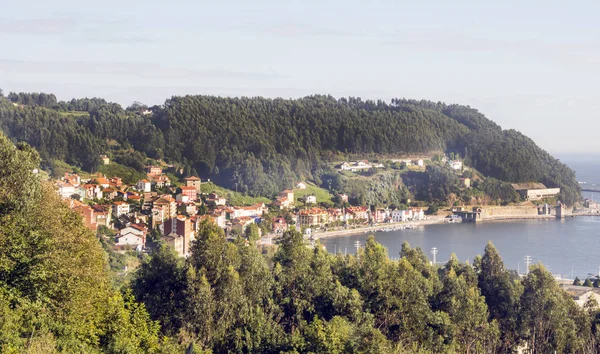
x,y
106,31
294,30
140,70
118,38
585,52
38,26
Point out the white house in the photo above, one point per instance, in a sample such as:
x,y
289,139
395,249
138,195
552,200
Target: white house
x,y
455,164
401,215
65,189
419,163
120,208
300,185
144,185
311,199
182,198
131,236
418,214
357,166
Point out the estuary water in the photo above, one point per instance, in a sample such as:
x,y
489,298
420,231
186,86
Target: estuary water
x,y
568,247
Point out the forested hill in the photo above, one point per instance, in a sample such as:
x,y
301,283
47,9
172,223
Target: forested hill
x,y
263,145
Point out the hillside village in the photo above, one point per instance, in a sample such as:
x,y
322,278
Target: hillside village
x,y
173,212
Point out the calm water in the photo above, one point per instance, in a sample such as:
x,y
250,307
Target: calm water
x,y
563,246
587,169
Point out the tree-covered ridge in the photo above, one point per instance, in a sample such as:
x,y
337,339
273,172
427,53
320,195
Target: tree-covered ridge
x,y
262,146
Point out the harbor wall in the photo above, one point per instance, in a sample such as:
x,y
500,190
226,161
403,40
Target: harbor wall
x,y
502,211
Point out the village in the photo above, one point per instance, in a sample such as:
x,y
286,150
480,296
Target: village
x,y
156,204
174,210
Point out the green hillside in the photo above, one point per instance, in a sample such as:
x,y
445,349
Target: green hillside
x,y
234,198
323,196
262,146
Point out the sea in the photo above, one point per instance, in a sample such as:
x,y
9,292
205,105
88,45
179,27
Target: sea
x,y
568,248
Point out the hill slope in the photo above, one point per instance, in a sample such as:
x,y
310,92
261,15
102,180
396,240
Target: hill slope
x,y
264,145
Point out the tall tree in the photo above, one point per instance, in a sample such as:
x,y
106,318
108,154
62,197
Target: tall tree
x,y
502,296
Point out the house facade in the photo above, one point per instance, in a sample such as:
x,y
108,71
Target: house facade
x,y
190,192
144,186
312,217
134,235
120,208
179,233
193,181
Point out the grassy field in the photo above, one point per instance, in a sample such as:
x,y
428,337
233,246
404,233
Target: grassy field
x,y
128,174
323,196
234,198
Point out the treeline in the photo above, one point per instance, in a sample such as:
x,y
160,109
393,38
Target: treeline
x,y
55,291
230,297
261,145
56,295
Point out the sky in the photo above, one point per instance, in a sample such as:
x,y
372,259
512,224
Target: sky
x,y
531,65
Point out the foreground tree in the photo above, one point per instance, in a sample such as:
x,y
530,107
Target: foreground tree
x,y
55,291
502,296
551,321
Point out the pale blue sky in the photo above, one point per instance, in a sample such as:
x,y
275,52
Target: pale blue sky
x,y
533,67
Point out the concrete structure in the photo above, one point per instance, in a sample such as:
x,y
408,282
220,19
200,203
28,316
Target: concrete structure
x,y
167,204
215,199
182,198
418,214
193,181
120,208
359,212
178,233
153,170
72,178
399,215
470,216
285,200
358,166
300,185
160,181
190,191
105,159
241,223
134,235
102,214
581,294
93,191
455,165
144,185
590,203
312,217
65,189
535,191
279,225
310,199
544,209
560,210
466,182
